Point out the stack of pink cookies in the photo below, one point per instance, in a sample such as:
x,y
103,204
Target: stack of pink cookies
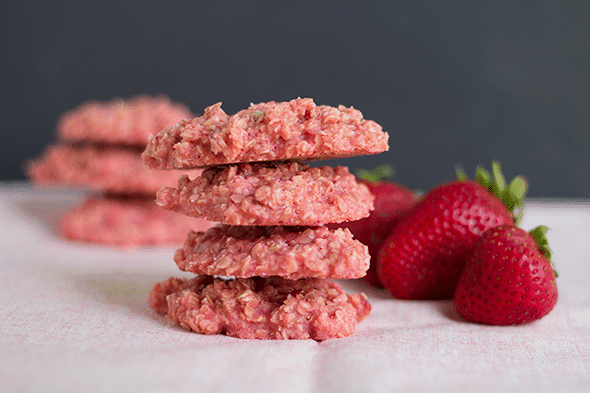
x,y
267,270
99,149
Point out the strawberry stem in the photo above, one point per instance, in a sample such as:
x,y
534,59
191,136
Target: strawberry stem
x,y
483,177
539,234
377,174
499,182
511,194
460,173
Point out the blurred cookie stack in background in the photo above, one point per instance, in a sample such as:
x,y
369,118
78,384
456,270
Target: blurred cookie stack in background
x,y
98,149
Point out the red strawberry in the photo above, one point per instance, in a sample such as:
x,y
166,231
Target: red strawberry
x,y
508,278
391,201
425,253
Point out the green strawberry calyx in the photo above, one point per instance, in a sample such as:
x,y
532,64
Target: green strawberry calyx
x,y
511,194
539,234
377,174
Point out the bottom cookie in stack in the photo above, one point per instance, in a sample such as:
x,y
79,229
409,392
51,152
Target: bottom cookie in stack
x,y
260,308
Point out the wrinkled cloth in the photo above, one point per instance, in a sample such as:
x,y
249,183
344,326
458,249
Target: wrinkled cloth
x,y
76,318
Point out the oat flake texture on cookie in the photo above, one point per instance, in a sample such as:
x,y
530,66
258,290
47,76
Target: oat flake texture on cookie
x,y
297,129
267,270
263,194
289,252
260,308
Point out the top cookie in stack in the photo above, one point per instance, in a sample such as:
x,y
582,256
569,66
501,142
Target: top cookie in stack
x,y
98,149
294,130
272,208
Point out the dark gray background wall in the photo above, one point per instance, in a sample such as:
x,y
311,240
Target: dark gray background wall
x,y
451,81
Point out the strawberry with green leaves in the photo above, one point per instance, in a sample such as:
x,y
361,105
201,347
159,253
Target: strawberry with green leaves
x,y
508,278
424,254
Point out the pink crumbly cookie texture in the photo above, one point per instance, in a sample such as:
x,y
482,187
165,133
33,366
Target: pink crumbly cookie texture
x,y
260,308
297,129
288,252
101,168
283,193
120,121
127,222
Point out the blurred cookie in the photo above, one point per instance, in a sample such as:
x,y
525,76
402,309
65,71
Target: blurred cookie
x,y
297,129
100,168
127,221
260,308
120,121
270,194
289,252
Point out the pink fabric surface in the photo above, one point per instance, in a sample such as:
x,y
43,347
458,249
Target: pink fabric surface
x,y
75,318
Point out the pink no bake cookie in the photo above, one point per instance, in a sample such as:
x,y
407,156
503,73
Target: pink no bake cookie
x,y
289,252
297,129
100,168
127,221
266,270
260,308
129,122
270,194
